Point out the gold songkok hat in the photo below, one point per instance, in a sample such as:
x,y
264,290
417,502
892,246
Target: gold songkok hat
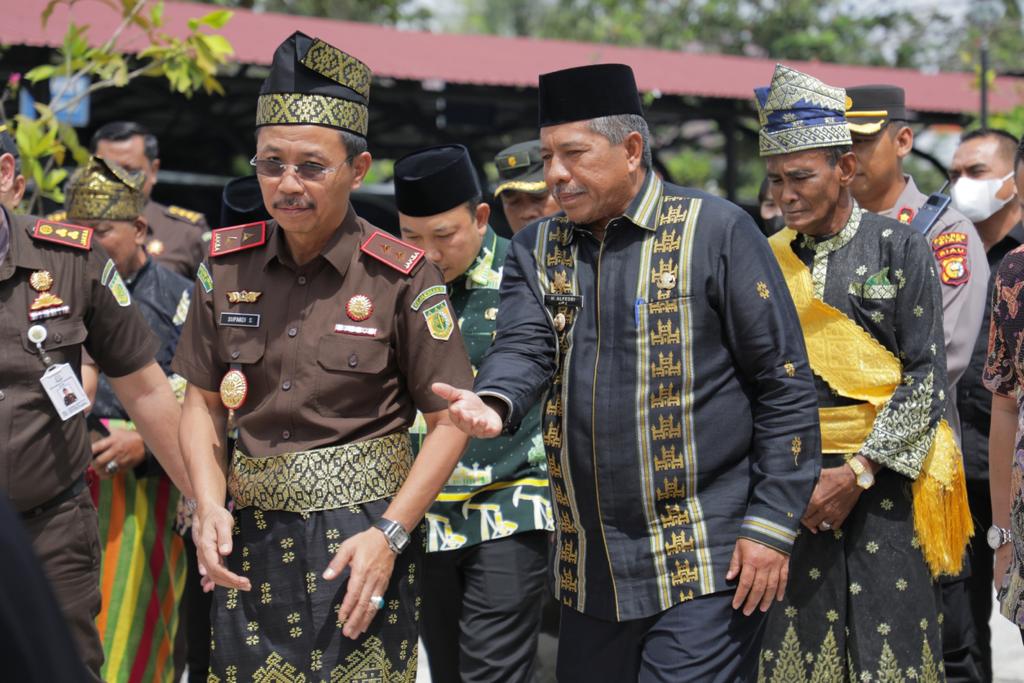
x,y
799,112
101,190
311,82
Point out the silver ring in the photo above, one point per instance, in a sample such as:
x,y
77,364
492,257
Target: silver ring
x,y
377,602
825,525
111,467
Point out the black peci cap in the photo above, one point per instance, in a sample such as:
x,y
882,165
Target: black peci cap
x,y
587,92
434,180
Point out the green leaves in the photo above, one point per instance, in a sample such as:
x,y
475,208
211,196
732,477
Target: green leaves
x,y
188,64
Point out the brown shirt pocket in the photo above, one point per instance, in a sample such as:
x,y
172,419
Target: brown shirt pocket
x,y
351,378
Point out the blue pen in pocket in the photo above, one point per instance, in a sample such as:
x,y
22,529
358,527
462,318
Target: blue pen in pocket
x,y
636,310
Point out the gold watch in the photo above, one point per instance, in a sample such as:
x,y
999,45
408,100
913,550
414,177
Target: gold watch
x,y
865,479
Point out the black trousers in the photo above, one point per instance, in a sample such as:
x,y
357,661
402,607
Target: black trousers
x,y
979,584
481,608
192,644
703,640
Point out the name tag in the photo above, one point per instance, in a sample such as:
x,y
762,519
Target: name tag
x,y
573,300
239,319
65,391
355,329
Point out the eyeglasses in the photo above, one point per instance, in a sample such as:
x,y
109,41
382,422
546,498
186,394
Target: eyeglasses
x,y
272,168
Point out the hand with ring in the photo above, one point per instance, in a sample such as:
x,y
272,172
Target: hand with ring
x,y
825,525
377,602
111,467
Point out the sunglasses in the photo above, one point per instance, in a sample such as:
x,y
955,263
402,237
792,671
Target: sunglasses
x,y
272,168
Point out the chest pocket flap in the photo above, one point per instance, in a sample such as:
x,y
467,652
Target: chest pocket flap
x,y
59,333
346,353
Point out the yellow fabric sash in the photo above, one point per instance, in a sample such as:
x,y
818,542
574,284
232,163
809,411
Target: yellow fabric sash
x,y
855,365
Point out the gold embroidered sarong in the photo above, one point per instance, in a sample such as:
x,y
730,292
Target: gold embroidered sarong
x,y
857,366
323,478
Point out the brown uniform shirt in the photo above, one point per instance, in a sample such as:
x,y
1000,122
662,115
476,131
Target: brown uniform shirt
x,y
317,375
41,456
178,238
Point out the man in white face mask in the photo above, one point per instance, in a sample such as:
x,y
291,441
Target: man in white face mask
x,y
983,188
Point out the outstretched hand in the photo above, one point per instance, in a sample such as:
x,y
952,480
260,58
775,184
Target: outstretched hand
x,y
468,412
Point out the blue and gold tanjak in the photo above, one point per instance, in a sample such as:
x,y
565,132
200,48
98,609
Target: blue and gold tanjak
x,y
800,112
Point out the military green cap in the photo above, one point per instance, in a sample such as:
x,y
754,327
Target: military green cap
x,y
520,168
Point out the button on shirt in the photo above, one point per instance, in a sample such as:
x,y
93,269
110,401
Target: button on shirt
x,y
336,379
41,455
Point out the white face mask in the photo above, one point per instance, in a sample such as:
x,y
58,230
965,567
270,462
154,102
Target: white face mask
x,y
977,199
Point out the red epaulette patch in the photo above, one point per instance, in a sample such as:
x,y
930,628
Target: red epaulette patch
x,y
905,215
400,255
237,238
77,236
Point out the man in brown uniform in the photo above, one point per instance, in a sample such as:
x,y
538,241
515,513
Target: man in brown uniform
x,y
61,293
324,335
178,237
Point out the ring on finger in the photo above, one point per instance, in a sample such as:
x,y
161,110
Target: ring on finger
x,y
377,602
825,525
111,467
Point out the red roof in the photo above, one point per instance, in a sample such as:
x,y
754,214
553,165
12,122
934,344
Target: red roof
x,y
503,61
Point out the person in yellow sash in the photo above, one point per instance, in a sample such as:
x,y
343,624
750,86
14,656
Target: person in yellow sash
x,y
889,511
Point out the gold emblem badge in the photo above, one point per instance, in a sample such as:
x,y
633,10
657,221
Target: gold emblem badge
x,y
41,280
243,297
560,322
234,388
359,307
155,247
666,280
46,300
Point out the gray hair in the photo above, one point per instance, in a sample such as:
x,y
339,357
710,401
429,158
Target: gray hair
x,y
618,126
354,144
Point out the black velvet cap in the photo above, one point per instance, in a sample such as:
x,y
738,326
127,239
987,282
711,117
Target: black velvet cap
x,y
870,107
587,92
434,180
311,82
242,202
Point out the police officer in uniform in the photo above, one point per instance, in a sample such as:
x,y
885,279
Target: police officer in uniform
x,y
525,196
324,336
484,572
882,138
63,294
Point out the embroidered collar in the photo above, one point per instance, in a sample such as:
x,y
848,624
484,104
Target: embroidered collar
x,y
838,240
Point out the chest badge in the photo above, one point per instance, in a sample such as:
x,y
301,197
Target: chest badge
x,y
243,297
666,280
46,304
234,388
359,307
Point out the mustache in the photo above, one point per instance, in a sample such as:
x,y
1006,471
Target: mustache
x,y
568,189
294,203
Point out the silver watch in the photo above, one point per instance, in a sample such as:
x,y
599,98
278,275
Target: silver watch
x,y
395,533
997,537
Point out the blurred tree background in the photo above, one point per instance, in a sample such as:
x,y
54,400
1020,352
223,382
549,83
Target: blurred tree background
x,y
919,34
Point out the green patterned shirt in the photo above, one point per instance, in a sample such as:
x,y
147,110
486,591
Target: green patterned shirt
x,y
500,486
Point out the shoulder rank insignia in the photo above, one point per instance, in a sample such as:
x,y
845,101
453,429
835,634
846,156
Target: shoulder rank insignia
x,y
193,217
57,216
905,215
394,252
237,238
76,236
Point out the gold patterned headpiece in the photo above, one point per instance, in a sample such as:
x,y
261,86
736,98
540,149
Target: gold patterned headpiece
x,y
101,190
799,112
311,82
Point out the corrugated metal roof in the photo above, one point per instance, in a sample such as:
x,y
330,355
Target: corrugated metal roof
x,y
505,61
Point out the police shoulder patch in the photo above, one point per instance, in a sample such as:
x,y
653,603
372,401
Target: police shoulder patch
x,y
77,236
238,238
392,251
193,217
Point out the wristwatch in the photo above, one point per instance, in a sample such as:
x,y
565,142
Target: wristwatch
x,y
395,533
997,537
865,479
